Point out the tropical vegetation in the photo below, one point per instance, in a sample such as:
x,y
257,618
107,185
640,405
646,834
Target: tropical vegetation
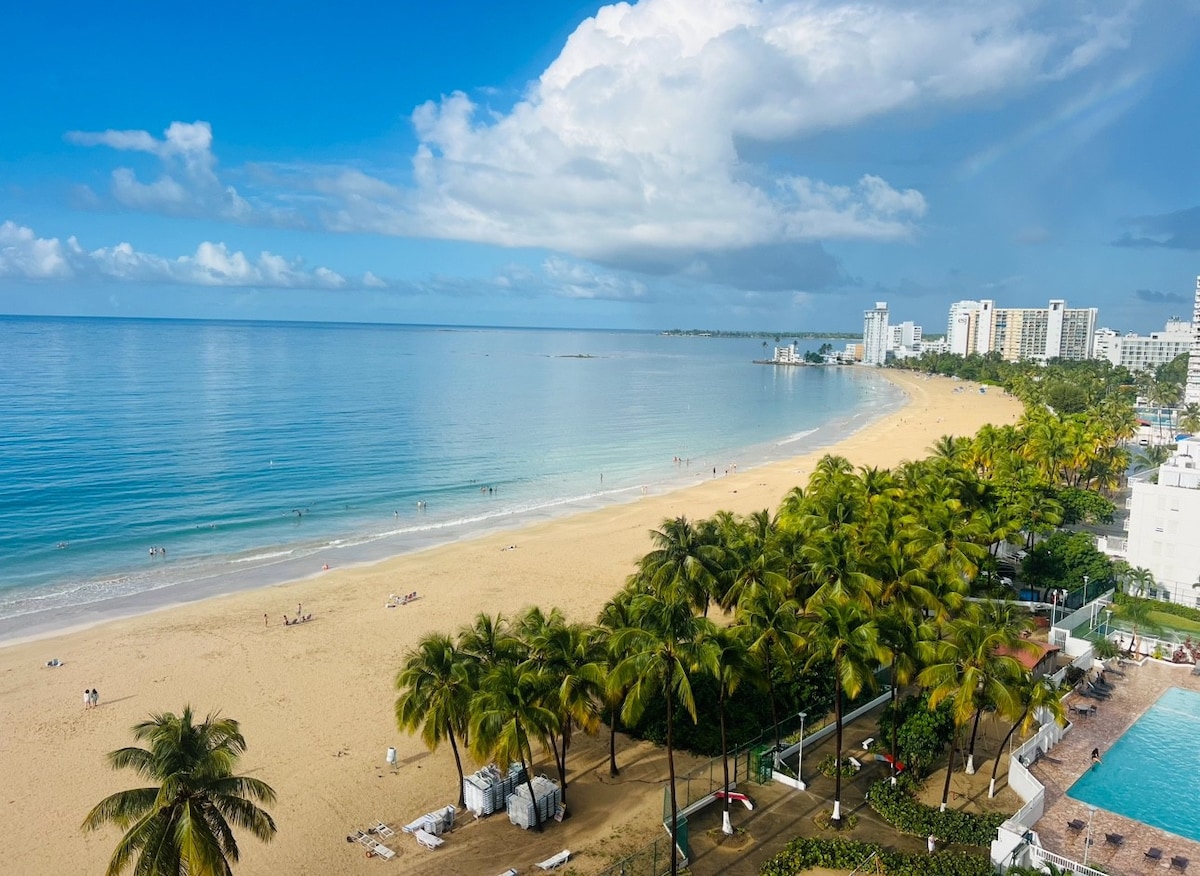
x,y
183,820
730,626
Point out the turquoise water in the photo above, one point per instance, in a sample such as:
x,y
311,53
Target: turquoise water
x,y
257,452
1152,772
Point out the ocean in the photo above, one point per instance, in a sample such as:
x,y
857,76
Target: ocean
x,y
254,453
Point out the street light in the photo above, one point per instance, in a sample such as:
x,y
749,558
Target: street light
x,y
1087,843
800,757
1107,620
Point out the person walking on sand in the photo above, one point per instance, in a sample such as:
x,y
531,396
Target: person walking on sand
x,y
87,698
95,698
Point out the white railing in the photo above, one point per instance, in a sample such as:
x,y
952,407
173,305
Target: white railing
x,y
1044,856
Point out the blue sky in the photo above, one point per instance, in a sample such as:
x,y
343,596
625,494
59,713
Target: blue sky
x,y
671,163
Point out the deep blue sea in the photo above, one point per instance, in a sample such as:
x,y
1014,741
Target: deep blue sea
x,y
254,453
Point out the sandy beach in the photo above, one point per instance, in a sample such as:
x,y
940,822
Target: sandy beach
x,y
315,700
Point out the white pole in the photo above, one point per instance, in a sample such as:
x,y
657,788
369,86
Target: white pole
x,y
1087,843
800,756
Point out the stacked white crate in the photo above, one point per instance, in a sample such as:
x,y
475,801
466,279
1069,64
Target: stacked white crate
x,y
520,807
486,791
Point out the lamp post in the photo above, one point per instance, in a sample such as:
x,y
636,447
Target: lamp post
x,y
800,756
1087,843
1085,592
1107,621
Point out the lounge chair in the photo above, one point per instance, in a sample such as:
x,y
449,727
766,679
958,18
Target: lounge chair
x,y
511,871
383,830
1075,825
555,861
868,742
856,763
427,839
1114,839
364,839
1178,863
1153,854
383,851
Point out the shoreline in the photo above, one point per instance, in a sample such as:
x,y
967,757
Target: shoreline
x,y
354,550
315,700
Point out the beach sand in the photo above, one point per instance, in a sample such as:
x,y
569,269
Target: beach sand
x,y
315,700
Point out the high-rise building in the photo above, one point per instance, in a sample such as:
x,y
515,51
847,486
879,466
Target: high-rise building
x,y
1143,352
1035,333
959,331
1191,392
1164,511
876,336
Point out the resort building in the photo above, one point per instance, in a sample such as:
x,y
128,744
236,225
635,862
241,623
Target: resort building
x,y
876,334
960,331
1164,517
1144,352
1022,333
906,342
1191,392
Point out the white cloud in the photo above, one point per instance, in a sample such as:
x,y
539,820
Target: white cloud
x,y
631,145
24,255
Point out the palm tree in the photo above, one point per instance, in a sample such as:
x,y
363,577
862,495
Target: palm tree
x,y
732,664
1138,613
504,711
771,619
968,665
616,615
684,556
839,629
1189,418
435,695
184,822
1033,695
666,646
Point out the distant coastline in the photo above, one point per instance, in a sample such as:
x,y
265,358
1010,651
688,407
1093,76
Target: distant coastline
x,y
777,336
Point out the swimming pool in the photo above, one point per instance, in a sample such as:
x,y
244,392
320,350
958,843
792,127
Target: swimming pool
x,y
1152,772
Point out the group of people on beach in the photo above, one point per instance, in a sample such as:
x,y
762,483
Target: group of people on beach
x,y
158,551
395,600
91,698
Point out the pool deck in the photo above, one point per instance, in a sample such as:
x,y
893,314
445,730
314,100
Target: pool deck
x,y
1131,697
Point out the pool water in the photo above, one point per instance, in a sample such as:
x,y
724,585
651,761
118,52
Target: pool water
x,y
1152,772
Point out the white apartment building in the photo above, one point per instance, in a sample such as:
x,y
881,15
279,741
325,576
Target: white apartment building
x,y
906,340
1191,392
1164,518
1144,352
1035,333
876,335
959,334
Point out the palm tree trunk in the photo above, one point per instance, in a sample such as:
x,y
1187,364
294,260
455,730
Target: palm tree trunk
x,y
971,747
560,760
836,819
537,816
949,771
671,774
612,744
462,800
774,705
895,718
726,824
1000,753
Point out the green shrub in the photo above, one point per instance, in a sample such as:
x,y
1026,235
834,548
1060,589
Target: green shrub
x,y
898,807
826,767
804,853
1174,608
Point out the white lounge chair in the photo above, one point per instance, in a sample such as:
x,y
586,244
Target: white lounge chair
x,y
511,871
383,830
868,742
556,861
427,839
383,851
857,763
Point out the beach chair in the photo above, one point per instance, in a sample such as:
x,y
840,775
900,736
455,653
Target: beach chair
x,y
1075,825
383,851
383,830
511,871
365,839
868,742
427,839
1153,854
1114,839
856,763
1178,863
555,861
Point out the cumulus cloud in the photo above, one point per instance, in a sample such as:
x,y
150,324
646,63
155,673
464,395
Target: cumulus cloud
x,y
188,185
24,255
631,147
